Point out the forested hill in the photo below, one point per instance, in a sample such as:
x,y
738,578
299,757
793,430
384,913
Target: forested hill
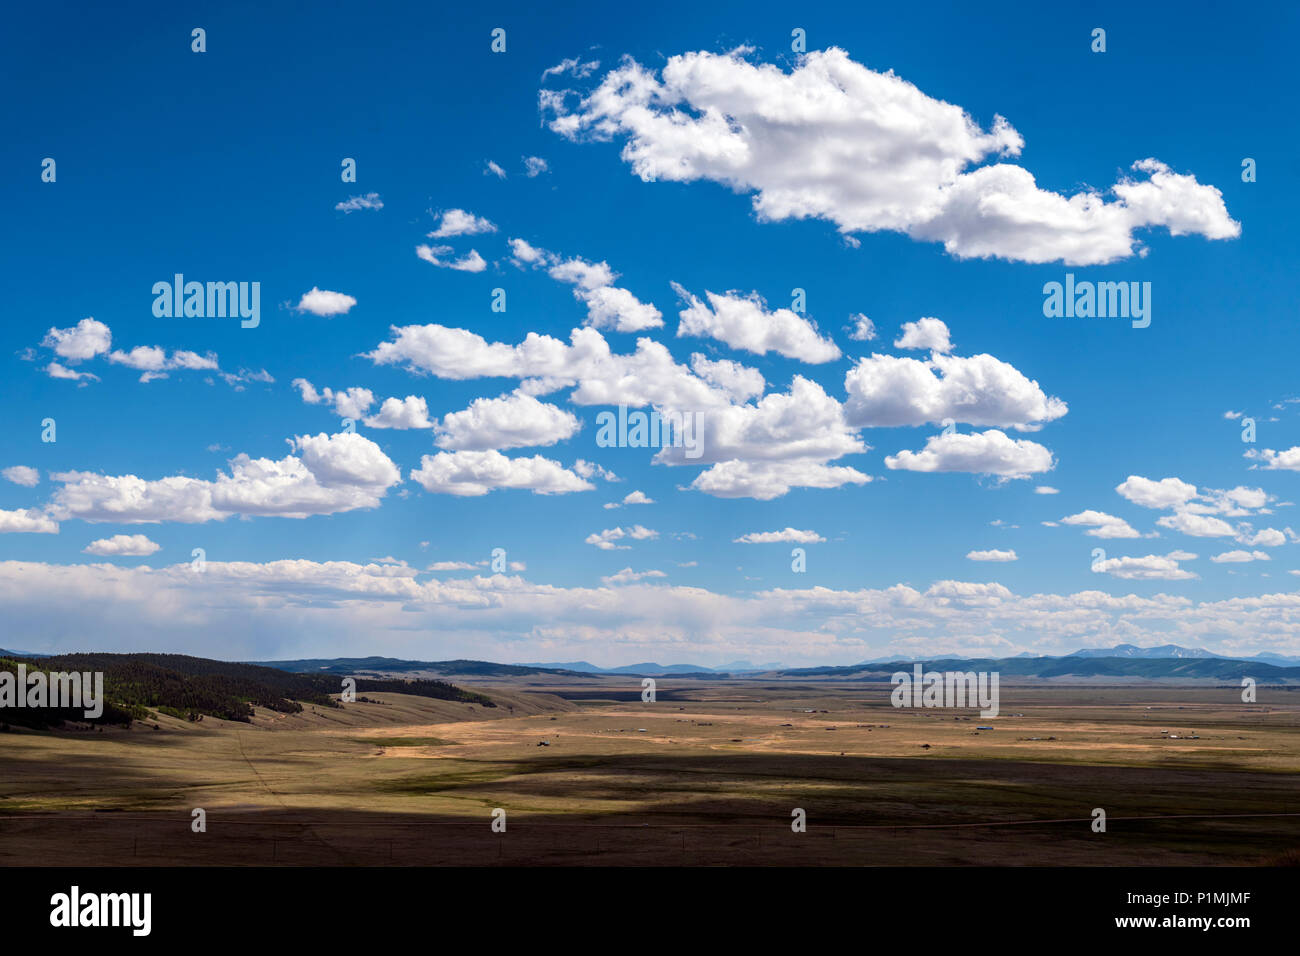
x,y
193,687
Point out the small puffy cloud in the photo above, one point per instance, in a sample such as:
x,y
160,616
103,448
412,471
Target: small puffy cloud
x,y
792,535
765,480
451,566
82,341
607,540
355,203
524,253
154,363
511,421
928,334
628,576
633,498
1196,526
1271,460
573,66
589,469
740,382
409,412
475,473
608,306
434,255
30,521
325,303
1239,557
862,328
122,545
193,361
1165,493
351,403
1151,567
1231,415
981,453
146,358
534,166
991,555
493,169
744,322
1102,525
458,222
236,380
1046,490
55,370
1265,537
23,475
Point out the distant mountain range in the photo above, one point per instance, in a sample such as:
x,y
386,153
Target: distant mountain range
x,y
394,665
1173,650
1133,652
736,667
1121,662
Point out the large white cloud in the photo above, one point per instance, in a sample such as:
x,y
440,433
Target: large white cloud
x,y
886,391
1149,567
648,376
330,474
801,423
29,521
511,421
986,453
869,151
474,473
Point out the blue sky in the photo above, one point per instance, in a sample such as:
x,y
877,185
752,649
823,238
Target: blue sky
x,y
727,164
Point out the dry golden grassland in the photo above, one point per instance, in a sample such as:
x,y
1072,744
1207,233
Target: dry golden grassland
x,y
708,774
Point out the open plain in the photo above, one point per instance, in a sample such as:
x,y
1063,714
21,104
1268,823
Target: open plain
x,y
708,774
